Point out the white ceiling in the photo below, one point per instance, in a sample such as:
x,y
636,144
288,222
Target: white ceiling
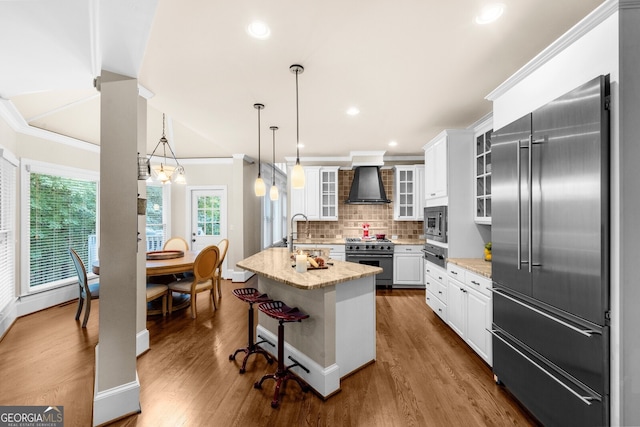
x,y
412,67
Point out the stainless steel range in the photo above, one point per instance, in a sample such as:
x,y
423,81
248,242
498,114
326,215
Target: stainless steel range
x,y
378,253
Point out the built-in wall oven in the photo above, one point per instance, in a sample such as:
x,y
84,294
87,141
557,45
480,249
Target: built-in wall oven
x,y
378,253
435,254
435,223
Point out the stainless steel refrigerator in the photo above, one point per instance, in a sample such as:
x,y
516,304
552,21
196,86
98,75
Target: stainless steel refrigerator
x,y
550,247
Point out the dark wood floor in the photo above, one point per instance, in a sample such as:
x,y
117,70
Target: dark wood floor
x,y
424,375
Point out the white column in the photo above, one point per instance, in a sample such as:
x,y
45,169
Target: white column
x,y
117,389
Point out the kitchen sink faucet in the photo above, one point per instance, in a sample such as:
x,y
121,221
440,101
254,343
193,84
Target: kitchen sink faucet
x,y
292,218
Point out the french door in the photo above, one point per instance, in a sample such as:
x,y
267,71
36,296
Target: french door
x,y
208,225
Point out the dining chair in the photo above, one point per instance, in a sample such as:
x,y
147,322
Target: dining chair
x,y
222,247
175,244
203,279
158,290
86,291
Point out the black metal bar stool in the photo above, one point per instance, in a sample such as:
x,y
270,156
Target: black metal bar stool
x,y
252,296
281,312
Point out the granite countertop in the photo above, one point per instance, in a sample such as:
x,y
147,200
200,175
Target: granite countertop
x,y
276,264
475,265
341,241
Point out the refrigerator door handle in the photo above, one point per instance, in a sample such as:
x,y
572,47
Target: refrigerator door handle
x,y
530,203
586,332
585,399
519,201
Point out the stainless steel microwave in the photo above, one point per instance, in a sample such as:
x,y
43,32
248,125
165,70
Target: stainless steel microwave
x,y
435,223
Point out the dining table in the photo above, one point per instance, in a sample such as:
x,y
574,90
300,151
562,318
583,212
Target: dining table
x,y
161,268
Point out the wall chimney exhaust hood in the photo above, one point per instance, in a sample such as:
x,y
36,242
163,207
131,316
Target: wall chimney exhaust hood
x,y
367,188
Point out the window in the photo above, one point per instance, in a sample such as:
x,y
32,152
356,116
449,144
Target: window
x,y
61,206
156,216
7,227
274,213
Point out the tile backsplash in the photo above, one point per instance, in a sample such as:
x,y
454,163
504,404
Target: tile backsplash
x,y
351,217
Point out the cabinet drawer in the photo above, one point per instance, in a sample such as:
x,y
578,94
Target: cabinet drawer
x,y
439,289
456,272
437,306
479,283
414,249
438,274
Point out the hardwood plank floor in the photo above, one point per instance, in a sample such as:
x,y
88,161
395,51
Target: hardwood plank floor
x,y
424,375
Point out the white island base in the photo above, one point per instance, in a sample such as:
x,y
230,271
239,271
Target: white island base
x,y
338,338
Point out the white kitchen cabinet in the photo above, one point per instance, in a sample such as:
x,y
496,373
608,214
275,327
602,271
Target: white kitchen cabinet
x,y
435,280
479,315
457,307
409,193
329,193
455,164
408,270
469,309
483,173
436,165
335,251
318,200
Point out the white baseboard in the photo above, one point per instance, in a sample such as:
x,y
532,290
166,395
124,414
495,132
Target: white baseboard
x,y
7,316
28,304
240,275
325,381
109,405
142,342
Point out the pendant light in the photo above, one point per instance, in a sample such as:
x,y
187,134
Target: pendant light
x,y
273,193
297,175
164,172
258,186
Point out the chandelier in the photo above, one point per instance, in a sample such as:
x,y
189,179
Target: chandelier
x,y
164,172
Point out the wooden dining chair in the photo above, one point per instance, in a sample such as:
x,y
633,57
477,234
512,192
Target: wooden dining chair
x,y
203,279
86,291
158,290
175,244
223,246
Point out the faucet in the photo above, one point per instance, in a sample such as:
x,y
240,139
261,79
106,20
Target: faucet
x,y
292,218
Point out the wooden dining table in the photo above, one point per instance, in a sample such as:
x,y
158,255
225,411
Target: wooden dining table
x,y
165,267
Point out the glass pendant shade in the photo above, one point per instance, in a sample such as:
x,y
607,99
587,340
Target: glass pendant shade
x,y
273,193
297,176
259,187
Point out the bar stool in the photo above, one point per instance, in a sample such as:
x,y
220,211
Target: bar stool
x,y
252,296
281,312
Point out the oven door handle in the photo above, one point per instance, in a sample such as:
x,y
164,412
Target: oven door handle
x,y
370,256
433,254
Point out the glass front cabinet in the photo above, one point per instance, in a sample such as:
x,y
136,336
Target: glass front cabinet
x,y
483,176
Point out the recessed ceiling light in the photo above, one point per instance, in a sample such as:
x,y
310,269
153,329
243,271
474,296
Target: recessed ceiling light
x,y
393,143
259,30
353,111
490,13
300,145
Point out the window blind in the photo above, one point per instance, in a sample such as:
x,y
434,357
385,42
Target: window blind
x,y
7,231
62,214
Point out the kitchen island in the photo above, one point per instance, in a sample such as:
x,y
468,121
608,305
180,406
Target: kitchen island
x,y
339,336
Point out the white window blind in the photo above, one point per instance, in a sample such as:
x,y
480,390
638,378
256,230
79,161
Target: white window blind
x,y
62,209
156,217
7,230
